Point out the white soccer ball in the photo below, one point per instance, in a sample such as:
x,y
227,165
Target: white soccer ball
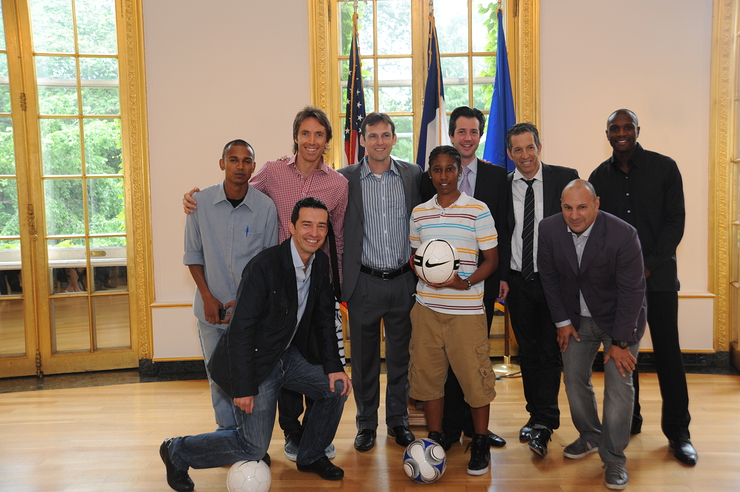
x,y
424,461
249,476
436,261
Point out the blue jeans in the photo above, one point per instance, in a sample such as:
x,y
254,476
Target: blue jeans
x,y
223,408
250,440
613,436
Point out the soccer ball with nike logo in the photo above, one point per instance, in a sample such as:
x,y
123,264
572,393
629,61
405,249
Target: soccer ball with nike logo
x,y
436,261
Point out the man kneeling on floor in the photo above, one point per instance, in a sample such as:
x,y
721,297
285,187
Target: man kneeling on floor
x,y
281,335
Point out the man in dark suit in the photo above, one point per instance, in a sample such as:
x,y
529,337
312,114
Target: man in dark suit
x,y
591,268
645,189
487,183
539,356
378,282
281,335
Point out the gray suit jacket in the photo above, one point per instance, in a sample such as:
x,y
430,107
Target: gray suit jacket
x,y
611,275
354,218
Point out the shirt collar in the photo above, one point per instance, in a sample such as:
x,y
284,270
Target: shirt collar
x,y
585,233
473,166
518,176
221,196
462,200
297,261
323,167
635,158
365,167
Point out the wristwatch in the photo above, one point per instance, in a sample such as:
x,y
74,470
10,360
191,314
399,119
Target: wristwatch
x,y
620,343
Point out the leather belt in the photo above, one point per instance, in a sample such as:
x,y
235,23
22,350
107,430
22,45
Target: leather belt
x,y
514,273
386,275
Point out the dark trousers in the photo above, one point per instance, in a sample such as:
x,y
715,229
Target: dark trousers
x,y
662,316
373,300
539,352
457,417
290,408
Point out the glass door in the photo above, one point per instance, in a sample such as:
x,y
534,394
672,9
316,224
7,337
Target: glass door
x,y
64,240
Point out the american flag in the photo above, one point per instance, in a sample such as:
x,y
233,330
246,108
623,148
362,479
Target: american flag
x,y
353,151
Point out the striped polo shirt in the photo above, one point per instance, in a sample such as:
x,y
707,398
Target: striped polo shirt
x,y
468,225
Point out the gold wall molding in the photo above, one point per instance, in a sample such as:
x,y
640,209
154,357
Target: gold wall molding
x,y
724,57
134,133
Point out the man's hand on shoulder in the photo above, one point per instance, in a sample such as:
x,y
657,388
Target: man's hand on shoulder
x,y
623,358
189,204
346,382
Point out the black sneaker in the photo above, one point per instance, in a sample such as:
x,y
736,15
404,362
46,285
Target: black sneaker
x,y
480,455
325,469
436,437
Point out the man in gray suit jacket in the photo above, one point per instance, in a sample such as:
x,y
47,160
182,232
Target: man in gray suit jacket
x,y
378,282
591,268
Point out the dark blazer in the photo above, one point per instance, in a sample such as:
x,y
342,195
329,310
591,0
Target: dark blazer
x,y
490,188
554,179
354,218
264,319
611,275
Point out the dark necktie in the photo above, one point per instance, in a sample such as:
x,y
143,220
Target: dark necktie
x,y
528,233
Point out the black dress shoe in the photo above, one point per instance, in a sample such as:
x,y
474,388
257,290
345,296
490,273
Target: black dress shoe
x,y
266,459
539,440
525,433
177,479
403,435
436,437
495,441
365,440
325,468
636,426
684,451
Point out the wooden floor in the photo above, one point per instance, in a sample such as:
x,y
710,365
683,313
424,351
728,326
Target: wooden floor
x,y
107,438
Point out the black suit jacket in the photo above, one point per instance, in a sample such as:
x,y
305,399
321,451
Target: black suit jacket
x,y
264,319
554,179
354,218
490,188
611,275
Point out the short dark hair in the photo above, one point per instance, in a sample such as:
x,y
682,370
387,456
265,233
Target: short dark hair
x,y
445,150
310,112
240,143
375,118
307,202
466,112
520,128
623,111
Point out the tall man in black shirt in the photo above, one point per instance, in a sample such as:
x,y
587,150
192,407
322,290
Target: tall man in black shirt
x,y
645,189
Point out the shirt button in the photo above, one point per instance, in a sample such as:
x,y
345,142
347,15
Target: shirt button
x,y
629,211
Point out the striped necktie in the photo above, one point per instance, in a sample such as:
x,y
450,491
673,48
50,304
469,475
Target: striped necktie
x,y
528,233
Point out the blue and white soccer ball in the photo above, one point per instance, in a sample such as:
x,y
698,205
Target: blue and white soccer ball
x,y
424,461
249,476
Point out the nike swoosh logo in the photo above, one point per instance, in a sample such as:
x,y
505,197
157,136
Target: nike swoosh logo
x,y
432,265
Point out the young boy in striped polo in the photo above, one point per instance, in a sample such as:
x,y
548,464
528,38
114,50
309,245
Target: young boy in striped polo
x,y
448,320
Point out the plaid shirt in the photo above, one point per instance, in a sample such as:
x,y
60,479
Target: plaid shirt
x,y
281,181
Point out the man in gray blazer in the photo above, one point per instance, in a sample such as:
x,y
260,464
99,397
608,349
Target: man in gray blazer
x,y
378,282
591,268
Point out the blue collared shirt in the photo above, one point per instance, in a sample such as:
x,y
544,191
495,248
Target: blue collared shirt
x,y
302,282
224,238
385,243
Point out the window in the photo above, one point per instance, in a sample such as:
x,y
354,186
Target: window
x,y
393,45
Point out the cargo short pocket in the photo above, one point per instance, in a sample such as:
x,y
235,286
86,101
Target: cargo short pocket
x,y
485,369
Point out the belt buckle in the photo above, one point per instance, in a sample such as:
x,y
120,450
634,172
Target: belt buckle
x,y
385,275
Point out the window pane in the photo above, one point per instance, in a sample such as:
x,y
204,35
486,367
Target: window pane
x,y
394,27
455,73
51,22
9,221
404,148
451,19
484,26
111,322
394,92
7,153
108,260
364,25
96,26
70,325
4,84
57,85
484,68
2,29
99,78
64,210
12,334
67,265
10,271
103,147
60,149
105,205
